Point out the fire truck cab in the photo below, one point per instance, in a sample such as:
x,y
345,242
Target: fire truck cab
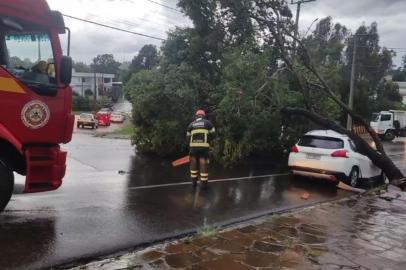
x,y
35,97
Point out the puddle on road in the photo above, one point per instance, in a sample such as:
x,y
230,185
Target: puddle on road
x,y
147,170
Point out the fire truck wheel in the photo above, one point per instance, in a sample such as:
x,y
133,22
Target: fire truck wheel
x,y
6,185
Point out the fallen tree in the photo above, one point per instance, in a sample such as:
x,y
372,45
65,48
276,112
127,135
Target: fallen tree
x,y
270,17
381,160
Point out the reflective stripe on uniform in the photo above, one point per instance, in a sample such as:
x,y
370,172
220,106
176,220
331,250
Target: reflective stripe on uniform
x,y
192,144
200,130
204,178
204,174
194,174
205,132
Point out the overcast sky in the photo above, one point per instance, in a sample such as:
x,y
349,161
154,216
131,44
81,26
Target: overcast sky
x,y
148,18
389,14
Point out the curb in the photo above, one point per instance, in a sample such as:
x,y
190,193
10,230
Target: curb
x,y
230,224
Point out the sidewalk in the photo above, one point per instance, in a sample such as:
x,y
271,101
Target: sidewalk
x,y
367,232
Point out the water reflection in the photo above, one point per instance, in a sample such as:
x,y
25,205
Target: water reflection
x,y
150,170
17,239
182,207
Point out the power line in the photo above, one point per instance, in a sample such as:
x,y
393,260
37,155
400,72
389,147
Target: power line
x,y
133,24
113,27
162,5
122,22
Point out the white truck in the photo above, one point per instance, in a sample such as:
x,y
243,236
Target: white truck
x,y
389,124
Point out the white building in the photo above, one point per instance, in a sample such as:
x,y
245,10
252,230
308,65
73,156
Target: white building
x,y
82,81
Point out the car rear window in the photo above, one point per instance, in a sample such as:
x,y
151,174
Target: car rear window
x,y
85,116
321,142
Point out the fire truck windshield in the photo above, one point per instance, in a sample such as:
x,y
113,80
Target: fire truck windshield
x,y
28,56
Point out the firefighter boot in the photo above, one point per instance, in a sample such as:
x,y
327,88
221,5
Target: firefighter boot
x,y
193,176
205,185
204,179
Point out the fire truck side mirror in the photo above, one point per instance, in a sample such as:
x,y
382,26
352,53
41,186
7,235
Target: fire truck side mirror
x,y
66,70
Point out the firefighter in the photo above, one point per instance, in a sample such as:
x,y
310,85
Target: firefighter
x,y
40,67
198,134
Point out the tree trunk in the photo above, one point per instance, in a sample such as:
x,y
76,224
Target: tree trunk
x,y
380,159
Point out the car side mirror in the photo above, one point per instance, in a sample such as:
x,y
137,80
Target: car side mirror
x,y
66,70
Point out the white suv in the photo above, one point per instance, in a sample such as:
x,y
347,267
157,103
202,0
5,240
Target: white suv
x,y
329,155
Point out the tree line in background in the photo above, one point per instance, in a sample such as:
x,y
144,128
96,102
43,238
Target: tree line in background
x,y
146,58
399,75
230,64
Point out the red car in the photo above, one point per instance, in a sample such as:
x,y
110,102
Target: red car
x,y
103,118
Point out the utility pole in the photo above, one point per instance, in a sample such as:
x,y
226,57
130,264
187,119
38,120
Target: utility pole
x,y
298,3
352,83
95,88
39,48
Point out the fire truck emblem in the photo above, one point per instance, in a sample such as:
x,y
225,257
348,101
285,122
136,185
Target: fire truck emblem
x,y
35,114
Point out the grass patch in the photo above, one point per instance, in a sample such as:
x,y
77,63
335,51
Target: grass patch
x,y
313,255
207,230
127,130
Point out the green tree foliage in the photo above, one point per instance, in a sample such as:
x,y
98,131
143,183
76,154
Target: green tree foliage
x,y
399,75
105,63
227,64
388,97
163,105
81,67
18,63
146,58
248,111
331,48
327,42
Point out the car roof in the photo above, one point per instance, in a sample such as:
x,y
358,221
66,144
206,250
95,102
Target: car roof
x,y
327,133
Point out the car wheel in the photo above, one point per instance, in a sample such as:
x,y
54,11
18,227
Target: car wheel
x,y
6,185
354,177
389,135
78,126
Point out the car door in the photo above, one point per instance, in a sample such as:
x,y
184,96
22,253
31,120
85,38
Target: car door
x,y
367,168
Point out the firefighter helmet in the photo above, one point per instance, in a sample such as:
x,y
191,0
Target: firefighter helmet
x,y
200,113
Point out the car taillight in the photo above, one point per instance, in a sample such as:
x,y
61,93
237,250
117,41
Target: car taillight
x,y
294,149
340,153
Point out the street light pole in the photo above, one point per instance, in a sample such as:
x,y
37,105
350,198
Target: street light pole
x,y
297,20
308,29
352,83
298,3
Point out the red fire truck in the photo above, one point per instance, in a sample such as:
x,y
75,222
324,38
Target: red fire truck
x,y
35,96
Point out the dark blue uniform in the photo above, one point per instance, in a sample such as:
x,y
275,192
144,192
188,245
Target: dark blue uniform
x,y
198,133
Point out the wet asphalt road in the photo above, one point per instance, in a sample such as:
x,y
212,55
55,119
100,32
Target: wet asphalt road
x,y
98,211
